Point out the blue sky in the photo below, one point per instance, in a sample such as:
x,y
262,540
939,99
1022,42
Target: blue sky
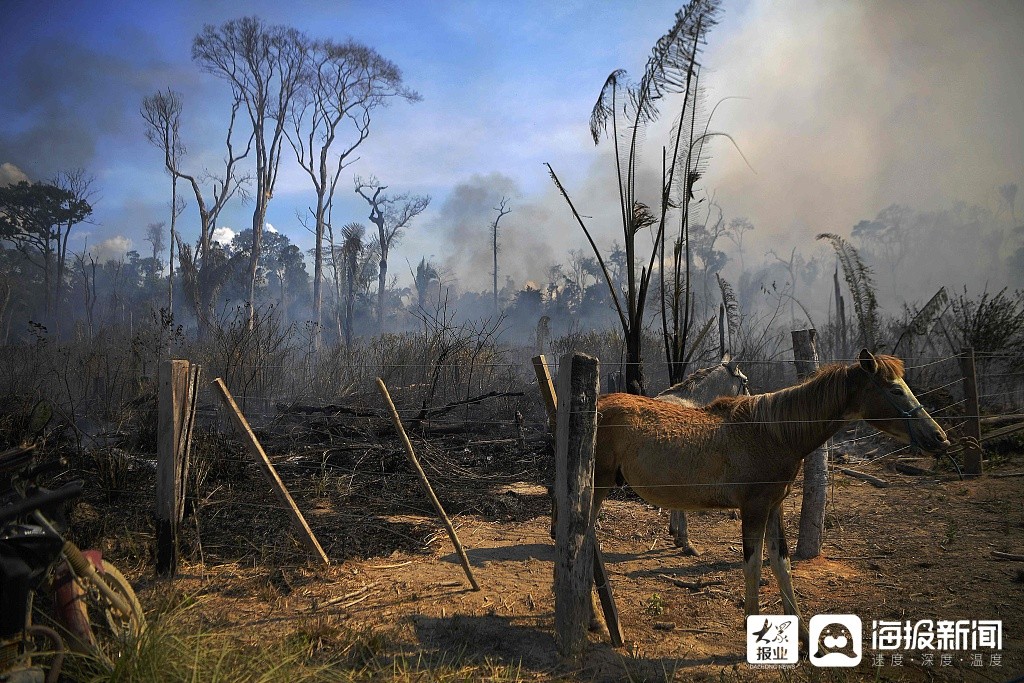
x,y
849,107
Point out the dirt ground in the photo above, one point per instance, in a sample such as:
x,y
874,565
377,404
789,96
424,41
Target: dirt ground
x,y
919,549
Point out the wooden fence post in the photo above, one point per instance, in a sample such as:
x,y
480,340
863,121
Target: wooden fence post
x,y
972,453
256,450
578,377
812,507
176,410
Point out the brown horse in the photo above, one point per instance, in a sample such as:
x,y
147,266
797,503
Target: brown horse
x,y
745,451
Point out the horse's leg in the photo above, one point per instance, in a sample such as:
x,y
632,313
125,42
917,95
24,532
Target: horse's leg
x,y
755,519
680,532
778,555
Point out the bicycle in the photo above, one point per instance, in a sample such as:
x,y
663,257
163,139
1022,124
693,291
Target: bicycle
x,y
93,607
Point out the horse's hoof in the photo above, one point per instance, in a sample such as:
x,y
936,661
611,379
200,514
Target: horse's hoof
x,y
688,549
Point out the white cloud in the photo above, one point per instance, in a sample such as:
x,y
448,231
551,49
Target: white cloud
x,y
223,235
271,228
11,174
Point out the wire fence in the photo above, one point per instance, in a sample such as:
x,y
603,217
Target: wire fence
x,y
305,449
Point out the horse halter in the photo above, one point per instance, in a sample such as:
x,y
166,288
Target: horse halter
x,y
907,415
744,380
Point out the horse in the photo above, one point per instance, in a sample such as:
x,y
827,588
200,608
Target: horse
x,y
701,388
744,452
704,386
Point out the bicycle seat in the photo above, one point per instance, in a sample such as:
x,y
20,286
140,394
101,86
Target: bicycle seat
x,y
43,500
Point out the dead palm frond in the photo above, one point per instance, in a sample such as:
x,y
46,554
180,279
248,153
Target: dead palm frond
x,y
862,287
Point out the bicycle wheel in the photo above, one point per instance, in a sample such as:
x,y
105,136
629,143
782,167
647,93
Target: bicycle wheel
x,y
115,630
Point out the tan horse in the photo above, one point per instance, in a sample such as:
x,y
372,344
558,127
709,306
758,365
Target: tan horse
x,y
744,452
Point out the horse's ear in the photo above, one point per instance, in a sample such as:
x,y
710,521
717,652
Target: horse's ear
x,y
726,358
868,362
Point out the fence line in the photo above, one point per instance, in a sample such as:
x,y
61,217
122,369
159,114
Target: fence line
x,y
293,469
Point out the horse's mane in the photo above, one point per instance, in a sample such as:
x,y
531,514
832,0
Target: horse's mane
x,y
890,367
788,412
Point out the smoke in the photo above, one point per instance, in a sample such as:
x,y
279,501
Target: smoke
x,y
856,106
526,246
64,101
111,249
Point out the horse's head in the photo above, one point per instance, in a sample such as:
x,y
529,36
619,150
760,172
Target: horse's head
x,y
740,383
888,405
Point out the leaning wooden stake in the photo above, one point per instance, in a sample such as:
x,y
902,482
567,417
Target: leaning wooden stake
x,y
397,421
812,508
175,415
972,427
547,390
253,444
547,394
604,592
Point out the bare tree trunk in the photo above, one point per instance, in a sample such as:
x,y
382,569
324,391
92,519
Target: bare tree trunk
x,y
258,218
495,250
318,269
382,279
634,375
170,260
350,302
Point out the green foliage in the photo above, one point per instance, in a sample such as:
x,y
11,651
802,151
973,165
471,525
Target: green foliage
x,y
31,212
654,605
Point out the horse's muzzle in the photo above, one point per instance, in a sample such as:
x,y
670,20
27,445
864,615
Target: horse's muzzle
x,y
935,444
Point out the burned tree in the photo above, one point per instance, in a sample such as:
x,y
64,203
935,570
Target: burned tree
x,y
424,275
345,83
265,66
202,271
391,214
503,210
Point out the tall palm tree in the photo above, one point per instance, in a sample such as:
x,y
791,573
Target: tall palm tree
x,y
351,246
424,275
629,108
